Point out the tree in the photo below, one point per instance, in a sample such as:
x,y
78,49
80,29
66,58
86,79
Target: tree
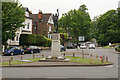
x,y
106,28
77,22
13,16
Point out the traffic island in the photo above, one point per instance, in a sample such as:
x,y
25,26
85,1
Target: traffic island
x,y
73,62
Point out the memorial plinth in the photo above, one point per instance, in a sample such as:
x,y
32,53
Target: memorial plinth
x,y
55,51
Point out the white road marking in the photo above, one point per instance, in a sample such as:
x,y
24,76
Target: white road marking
x,y
109,66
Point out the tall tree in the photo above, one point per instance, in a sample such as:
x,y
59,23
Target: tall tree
x,y
78,22
13,16
108,28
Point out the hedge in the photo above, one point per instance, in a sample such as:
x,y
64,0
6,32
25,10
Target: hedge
x,y
33,39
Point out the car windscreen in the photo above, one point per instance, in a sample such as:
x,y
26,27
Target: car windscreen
x,y
92,45
33,47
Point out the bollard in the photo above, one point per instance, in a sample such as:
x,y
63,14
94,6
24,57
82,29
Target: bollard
x,y
106,59
103,59
82,50
91,59
73,54
96,56
21,57
82,55
9,62
11,58
0,59
42,55
33,56
63,54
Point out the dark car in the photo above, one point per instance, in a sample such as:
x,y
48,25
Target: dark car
x,y
32,49
71,46
62,48
13,51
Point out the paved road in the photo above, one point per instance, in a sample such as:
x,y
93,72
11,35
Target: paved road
x,y
61,72
67,72
111,53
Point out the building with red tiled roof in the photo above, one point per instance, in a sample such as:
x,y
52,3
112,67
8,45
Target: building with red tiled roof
x,y
42,23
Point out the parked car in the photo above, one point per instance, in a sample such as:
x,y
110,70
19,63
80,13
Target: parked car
x,y
117,48
70,46
83,46
91,46
62,48
13,51
32,49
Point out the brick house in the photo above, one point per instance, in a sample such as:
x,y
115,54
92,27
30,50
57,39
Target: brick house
x,y
42,23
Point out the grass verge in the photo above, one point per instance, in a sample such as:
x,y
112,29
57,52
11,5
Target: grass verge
x,y
112,45
73,59
86,60
18,62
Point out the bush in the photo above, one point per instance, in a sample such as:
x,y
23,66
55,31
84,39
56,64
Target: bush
x,y
47,42
40,40
32,39
27,39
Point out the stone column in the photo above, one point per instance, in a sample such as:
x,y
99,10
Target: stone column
x,y
55,49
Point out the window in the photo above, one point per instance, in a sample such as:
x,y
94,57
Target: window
x,y
28,25
13,38
24,24
49,36
26,14
49,28
17,38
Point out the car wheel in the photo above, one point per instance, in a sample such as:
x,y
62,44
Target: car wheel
x,y
11,53
22,53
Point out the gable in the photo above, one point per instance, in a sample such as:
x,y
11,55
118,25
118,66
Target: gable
x,y
50,20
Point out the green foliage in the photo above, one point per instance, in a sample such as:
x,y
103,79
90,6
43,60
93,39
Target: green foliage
x,y
13,16
106,28
40,40
32,39
61,30
47,42
63,37
76,22
27,39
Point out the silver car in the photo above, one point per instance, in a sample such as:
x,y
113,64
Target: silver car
x,y
83,46
91,46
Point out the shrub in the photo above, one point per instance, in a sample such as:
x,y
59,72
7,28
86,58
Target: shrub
x,y
32,39
47,42
27,39
40,40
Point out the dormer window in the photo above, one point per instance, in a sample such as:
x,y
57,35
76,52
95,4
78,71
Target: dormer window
x,y
27,14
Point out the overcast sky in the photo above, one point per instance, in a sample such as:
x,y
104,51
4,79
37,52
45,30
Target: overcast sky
x,y
95,7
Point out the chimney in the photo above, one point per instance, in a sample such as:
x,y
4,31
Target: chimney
x,y
40,14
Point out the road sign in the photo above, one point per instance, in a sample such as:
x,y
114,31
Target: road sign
x,y
81,38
